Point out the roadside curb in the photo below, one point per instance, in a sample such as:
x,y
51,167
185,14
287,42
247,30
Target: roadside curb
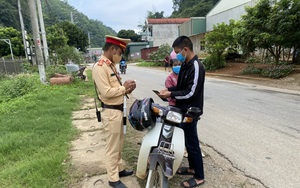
x,y
234,76
259,79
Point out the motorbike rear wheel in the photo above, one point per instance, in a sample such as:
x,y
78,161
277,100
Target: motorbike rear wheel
x,y
158,179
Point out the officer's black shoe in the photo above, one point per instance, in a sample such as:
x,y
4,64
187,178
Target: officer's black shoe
x,y
125,173
117,184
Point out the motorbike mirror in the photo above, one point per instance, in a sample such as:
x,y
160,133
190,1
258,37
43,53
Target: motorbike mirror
x,y
194,110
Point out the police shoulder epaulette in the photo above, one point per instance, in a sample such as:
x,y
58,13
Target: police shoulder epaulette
x,y
100,62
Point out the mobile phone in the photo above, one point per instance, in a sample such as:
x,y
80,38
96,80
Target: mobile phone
x,y
157,93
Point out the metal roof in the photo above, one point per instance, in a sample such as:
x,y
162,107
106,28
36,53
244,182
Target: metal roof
x,y
167,20
224,5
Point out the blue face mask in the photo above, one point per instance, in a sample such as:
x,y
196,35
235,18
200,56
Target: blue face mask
x,y
176,69
180,57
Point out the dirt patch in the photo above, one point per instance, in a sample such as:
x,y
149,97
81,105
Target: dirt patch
x,y
232,71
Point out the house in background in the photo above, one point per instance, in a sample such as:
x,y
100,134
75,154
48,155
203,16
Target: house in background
x,y
135,49
163,30
195,29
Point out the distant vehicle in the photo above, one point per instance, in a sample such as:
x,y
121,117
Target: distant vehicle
x,y
123,66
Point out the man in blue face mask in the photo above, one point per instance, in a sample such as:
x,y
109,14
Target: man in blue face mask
x,y
189,93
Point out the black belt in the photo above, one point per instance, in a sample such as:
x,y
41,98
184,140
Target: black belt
x,y
115,107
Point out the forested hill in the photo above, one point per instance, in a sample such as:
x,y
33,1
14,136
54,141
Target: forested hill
x,y
54,11
192,8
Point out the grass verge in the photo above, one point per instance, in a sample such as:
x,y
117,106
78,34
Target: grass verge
x,y
150,64
35,134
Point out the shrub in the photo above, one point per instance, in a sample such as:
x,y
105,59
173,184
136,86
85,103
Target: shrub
x,y
161,53
52,69
252,60
214,62
17,86
251,70
29,68
277,71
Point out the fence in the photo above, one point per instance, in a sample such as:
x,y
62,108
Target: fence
x,y
8,66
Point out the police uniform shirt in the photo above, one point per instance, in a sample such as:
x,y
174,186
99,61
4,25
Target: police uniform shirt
x,y
110,91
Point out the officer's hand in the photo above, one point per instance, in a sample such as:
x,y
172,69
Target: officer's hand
x,y
129,85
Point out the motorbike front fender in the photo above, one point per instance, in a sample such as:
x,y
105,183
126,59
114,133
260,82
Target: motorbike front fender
x,y
179,145
149,140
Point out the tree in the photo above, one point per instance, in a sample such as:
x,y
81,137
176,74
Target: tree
x,y
129,34
285,16
54,11
56,37
217,41
271,27
161,53
155,14
77,38
15,38
68,53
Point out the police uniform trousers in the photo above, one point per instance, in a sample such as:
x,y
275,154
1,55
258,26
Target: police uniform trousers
x,y
113,126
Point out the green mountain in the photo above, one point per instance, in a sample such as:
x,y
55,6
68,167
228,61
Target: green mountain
x,y
192,8
54,11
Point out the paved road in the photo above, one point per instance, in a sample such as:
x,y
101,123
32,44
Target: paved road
x,y
255,127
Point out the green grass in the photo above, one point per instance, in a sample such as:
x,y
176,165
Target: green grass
x,y
150,64
35,135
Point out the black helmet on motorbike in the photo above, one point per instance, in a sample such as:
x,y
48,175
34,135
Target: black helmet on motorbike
x,y
140,115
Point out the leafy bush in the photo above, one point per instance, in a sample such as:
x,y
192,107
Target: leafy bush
x,y
29,68
277,71
17,86
161,53
214,62
269,72
252,60
251,70
52,69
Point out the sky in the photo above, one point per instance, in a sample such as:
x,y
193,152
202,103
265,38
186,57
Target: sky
x,y
121,14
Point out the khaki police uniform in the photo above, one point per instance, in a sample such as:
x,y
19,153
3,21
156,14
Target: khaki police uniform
x,y
111,93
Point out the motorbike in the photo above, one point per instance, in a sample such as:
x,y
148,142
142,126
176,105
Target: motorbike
x,y
162,147
123,67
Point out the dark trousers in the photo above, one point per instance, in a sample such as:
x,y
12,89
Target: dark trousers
x,y
193,149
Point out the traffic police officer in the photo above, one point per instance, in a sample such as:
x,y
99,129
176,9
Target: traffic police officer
x,y
111,92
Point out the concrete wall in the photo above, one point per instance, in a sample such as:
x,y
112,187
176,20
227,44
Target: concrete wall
x,y
234,13
164,34
196,39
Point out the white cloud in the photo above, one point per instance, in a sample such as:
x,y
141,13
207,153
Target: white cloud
x,y
121,14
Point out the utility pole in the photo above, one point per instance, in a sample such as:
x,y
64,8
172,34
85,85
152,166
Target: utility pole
x,y
22,29
37,40
89,37
43,32
72,19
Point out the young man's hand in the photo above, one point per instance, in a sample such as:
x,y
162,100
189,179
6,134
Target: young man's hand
x,y
164,93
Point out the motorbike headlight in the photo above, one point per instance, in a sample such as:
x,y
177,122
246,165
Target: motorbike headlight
x,y
174,117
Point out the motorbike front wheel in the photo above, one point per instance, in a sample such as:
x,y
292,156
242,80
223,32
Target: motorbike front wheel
x,y
157,178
